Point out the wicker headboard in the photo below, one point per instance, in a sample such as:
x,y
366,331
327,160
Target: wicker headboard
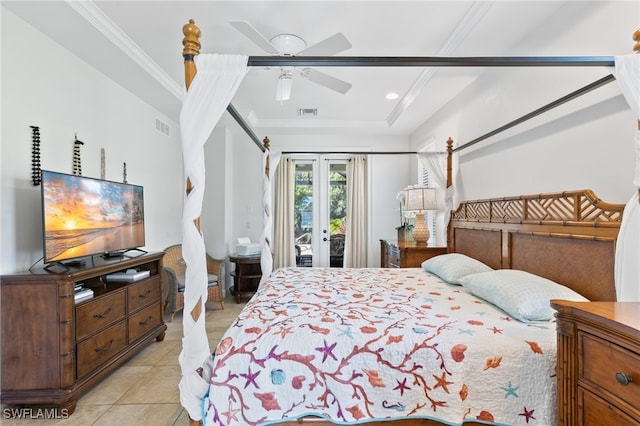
x,y
567,237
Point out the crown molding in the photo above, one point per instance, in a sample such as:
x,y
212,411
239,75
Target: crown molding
x,y
92,14
473,16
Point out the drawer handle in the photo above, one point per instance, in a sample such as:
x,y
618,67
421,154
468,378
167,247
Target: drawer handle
x,y
106,348
623,379
144,296
106,314
145,322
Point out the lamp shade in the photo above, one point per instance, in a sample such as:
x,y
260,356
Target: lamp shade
x,y
420,198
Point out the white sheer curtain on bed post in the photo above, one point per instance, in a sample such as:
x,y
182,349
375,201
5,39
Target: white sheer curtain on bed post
x,y
266,253
207,98
356,240
436,164
284,253
627,262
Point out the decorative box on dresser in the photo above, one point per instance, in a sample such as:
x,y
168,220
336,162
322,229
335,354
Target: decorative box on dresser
x,y
54,349
598,363
403,254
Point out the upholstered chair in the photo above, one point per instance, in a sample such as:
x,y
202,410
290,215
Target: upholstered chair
x,y
174,269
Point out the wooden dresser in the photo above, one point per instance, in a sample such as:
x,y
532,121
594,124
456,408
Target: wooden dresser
x,y
54,349
401,254
598,363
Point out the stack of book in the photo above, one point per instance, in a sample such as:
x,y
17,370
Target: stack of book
x,y
82,293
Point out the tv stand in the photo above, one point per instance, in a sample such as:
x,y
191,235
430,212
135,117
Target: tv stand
x,y
53,349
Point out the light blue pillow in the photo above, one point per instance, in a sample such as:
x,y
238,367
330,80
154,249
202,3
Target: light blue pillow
x,y
522,295
451,267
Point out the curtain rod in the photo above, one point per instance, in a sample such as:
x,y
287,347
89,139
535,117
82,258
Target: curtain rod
x,y
234,113
547,107
431,61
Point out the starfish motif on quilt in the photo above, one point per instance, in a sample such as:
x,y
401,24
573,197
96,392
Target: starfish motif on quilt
x,y
528,414
251,378
402,386
327,351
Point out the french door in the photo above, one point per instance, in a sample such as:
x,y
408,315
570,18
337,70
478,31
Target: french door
x,y
320,210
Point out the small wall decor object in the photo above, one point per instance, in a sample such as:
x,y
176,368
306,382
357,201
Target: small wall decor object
x,y
36,174
77,166
102,171
124,172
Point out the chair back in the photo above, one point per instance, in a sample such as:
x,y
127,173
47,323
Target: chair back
x,y
173,259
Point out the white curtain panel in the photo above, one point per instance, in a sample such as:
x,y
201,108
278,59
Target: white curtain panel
x,y
436,164
356,240
284,252
211,90
627,264
266,254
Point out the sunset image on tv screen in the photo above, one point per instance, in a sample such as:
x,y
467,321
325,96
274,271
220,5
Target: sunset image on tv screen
x,y
84,216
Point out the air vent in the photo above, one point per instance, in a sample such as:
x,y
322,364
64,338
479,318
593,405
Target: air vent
x,y
307,112
162,127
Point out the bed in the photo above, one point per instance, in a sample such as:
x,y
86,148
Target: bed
x,y
356,345
568,237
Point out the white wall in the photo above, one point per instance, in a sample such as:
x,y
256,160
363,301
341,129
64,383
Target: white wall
x,y
43,84
586,143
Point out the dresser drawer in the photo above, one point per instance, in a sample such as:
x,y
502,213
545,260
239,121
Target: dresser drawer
x,y
394,256
98,313
595,411
143,293
143,321
94,351
601,360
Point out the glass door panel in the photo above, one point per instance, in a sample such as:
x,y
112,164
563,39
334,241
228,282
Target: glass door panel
x,y
303,215
320,211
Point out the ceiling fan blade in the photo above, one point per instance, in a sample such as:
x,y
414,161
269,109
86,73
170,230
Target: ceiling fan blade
x,y
253,35
327,47
326,80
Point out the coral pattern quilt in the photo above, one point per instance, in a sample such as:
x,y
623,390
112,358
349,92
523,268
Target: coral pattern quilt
x,y
355,345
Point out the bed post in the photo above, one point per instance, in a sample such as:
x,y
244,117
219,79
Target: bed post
x,y
191,43
636,48
266,142
449,162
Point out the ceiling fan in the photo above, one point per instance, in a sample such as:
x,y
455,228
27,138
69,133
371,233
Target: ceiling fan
x,y
292,45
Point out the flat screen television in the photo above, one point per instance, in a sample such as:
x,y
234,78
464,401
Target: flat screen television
x,y
84,216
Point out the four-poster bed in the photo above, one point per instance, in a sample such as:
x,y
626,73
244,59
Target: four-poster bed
x,y
568,237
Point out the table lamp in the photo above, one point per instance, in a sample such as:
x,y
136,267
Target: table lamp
x,y
419,199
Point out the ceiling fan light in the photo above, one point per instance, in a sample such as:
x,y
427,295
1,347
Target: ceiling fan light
x,y
283,88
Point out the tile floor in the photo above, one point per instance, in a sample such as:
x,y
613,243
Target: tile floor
x,y
143,391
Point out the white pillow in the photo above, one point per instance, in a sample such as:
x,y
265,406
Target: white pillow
x,y
451,267
522,295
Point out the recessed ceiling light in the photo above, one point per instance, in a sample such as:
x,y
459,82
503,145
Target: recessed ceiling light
x,y
391,96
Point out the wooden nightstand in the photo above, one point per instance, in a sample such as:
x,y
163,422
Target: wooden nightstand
x,y
598,363
246,276
401,254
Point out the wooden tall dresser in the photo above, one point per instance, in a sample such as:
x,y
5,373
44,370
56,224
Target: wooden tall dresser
x,y
54,349
401,254
598,363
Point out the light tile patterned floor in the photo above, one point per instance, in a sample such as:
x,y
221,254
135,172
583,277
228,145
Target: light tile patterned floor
x,y
143,391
